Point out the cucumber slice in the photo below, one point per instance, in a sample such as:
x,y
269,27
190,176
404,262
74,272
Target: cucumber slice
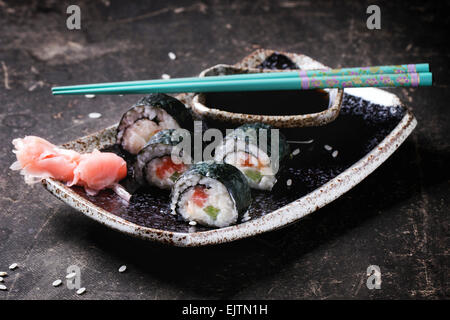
x,y
175,176
212,211
254,175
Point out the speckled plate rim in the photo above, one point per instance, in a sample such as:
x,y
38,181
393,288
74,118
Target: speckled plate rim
x,y
282,121
281,217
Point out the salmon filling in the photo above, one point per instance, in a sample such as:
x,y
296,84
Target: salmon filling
x,y
169,169
163,172
200,196
250,161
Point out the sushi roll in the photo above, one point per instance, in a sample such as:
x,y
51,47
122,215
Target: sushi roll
x,y
156,165
151,114
211,194
245,149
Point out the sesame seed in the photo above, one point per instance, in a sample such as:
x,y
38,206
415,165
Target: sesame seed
x,y
289,182
192,223
3,274
3,287
172,56
13,266
81,291
71,275
89,96
1,279
122,268
246,217
95,115
57,283
296,152
335,153
165,76
327,147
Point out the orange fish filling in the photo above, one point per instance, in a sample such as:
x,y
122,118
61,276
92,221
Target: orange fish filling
x,y
247,162
200,196
168,168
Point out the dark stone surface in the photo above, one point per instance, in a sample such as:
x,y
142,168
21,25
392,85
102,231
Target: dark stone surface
x,y
397,218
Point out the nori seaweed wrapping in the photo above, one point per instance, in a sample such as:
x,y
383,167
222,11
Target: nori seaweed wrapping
x,y
164,137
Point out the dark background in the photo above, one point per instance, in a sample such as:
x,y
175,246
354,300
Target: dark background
x,y
397,218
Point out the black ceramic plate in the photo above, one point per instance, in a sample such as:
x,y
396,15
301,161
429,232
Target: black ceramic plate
x,y
371,125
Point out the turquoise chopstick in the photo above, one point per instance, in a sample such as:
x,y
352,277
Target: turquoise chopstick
x,y
377,80
394,69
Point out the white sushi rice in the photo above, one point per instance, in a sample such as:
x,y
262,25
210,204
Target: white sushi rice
x,y
94,115
57,283
246,217
81,291
137,134
172,56
233,152
218,197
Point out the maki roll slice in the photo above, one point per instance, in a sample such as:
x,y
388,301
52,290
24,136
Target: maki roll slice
x,y
211,194
250,149
158,163
151,114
